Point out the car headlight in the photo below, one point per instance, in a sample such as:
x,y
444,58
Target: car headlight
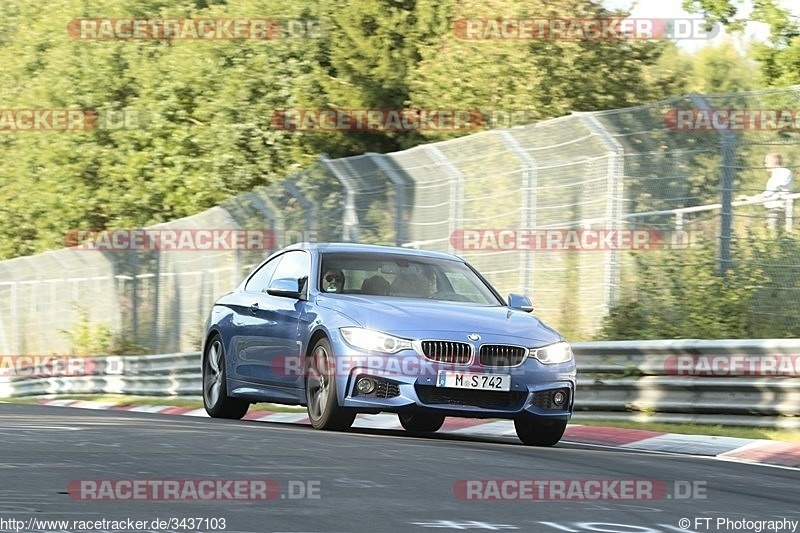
x,y
560,352
375,341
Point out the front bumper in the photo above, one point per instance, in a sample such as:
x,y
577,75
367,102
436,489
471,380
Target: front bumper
x,y
407,380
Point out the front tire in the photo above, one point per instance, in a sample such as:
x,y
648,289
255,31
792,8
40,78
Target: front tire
x,y
323,407
539,433
420,422
215,387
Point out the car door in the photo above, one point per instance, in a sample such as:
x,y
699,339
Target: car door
x,y
274,324
248,325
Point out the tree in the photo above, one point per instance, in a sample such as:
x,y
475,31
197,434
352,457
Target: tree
x,y
779,56
721,69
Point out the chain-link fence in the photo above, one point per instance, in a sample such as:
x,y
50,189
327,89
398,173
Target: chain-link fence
x,y
559,210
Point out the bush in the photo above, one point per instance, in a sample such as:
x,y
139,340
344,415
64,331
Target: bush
x,y
683,294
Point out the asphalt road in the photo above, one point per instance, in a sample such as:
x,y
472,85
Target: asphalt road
x,y
54,460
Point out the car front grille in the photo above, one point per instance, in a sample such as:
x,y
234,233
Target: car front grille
x,y
447,351
502,355
472,398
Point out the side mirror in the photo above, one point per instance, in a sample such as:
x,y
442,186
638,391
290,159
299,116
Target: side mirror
x,y
520,302
286,287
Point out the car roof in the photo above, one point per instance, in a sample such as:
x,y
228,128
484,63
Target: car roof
x,y
350,247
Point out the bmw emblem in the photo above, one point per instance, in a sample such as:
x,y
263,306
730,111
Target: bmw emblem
x,y
474,337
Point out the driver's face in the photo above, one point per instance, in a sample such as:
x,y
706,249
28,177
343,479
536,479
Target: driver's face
x,y
333,281
429,282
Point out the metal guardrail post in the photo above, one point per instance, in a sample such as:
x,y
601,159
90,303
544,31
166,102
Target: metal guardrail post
x,y
528,204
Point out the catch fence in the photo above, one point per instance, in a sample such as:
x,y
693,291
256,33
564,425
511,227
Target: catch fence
x,y
484,196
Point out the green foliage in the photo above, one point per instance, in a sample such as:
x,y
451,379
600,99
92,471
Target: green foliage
x,y
721,69
204,107
779,57
88,338
204,110
682,294
547,78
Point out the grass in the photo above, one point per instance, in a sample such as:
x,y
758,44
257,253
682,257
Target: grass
x,y
788,435
689,429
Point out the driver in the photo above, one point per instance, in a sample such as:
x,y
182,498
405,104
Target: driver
x,y
427,281
333,280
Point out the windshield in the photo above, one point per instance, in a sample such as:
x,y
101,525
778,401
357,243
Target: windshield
x,y
403,276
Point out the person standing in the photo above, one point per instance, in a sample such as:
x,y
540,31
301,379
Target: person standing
x,y
778,186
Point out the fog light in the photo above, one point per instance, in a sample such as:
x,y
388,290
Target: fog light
x,y
365,385
559,398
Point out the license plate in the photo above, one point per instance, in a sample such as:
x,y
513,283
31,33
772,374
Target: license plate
x,y
466,380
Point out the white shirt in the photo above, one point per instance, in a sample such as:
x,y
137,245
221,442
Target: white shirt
x,y
779,183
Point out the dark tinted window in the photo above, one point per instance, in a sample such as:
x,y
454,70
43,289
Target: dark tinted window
x,y
409,276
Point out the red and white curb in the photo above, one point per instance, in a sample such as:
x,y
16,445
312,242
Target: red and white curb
x,y
768,452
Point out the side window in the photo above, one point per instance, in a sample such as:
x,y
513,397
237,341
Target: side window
x,y
260,280
295,265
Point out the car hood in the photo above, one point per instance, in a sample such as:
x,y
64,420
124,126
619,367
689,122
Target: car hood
x,y
413,317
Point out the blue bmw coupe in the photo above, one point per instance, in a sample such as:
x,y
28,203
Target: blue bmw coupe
x,y
350,328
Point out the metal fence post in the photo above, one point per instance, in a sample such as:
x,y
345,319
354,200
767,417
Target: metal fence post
x,y
456,215
528,204
309,207
350,217
616,173
727,149
135,298
270,213
400,184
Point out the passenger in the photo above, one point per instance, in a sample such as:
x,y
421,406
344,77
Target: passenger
x,y
376,285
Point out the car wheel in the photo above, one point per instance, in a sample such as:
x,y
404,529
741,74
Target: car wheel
x,y
419,422
215,388
539,433
323,406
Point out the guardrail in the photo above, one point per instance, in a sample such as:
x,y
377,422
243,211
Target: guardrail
x,y
167,375
731,382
